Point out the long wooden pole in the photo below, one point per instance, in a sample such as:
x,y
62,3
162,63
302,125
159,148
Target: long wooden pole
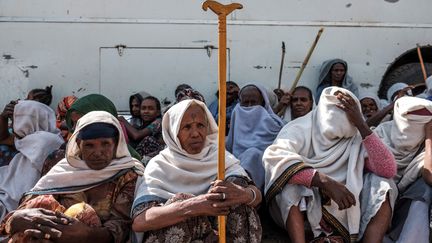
x,y
306,60
421,62
222,11
281,66
303,66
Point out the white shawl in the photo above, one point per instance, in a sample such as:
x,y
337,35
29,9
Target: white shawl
x,y
404,135
72,173
35,123
174,170
327,141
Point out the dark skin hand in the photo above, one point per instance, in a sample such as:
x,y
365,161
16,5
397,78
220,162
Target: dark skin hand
x,y
335,190
37,218
134,133
4,116
234,194
205,205
37,223
352,110
284,102
9,109
159,217
75,231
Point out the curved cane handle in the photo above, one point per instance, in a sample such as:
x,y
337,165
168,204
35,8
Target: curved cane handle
x,y
219,8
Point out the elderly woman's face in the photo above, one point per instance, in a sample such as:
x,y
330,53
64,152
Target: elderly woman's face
x,y
97,153
193,130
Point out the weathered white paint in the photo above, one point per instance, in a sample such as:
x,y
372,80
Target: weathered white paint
x,y
135,67
66,39
14,83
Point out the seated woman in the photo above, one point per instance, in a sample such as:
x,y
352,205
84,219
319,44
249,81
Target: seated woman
x,y
135,107
43,96
254,126
82,106
93,186
36,136
179,196
372,109
95,102
147,138
405,136
334,72
318,164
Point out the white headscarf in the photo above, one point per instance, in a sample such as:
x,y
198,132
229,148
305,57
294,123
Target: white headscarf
x,y
35,124
370,95
393,89
72,173
404,135
174,170
327,141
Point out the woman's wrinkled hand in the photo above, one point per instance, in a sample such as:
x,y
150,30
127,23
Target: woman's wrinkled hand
x,y
232,194
205,205
74,231
335,190
38,220
286,99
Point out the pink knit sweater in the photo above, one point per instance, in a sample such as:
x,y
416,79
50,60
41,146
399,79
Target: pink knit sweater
x,y
380,161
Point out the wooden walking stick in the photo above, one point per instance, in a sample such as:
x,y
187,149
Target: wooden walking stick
x,y
281,66
222,11
303,66
306,60
421,62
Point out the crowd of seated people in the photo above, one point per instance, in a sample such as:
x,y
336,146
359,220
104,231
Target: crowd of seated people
x,y
335,165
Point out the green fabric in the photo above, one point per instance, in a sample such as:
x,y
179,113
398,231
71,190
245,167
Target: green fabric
x,y
92,102
95,102
134,153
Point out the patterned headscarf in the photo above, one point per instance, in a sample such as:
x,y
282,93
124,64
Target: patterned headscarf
x,y
63,106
